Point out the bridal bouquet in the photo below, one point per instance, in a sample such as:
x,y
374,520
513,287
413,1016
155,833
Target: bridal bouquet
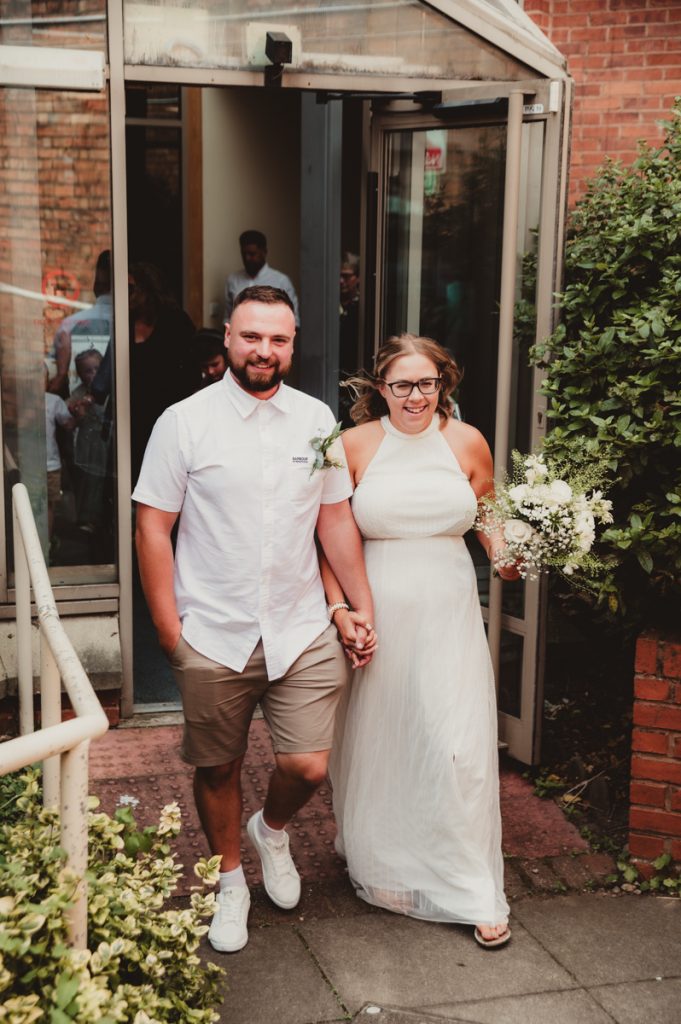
x,y
544,517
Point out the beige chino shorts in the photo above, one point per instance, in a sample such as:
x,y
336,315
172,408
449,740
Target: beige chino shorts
x,y
218,703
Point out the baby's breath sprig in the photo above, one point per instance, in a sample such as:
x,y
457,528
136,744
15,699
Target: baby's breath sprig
x,y
546,512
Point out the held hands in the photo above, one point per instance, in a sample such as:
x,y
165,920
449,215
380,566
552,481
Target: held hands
x,y
509,573
356,635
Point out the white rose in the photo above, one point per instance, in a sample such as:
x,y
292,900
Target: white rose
x,y
560,491
518,493
516,531
541,494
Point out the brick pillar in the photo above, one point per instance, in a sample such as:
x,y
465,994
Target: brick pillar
x,y
655,811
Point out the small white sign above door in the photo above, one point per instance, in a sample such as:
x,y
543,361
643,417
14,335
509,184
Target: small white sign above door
x,y
48,67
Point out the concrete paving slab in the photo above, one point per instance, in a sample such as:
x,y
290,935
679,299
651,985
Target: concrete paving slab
x,y
602,939
372,1013
538,1008
274,980
642,1002
416,964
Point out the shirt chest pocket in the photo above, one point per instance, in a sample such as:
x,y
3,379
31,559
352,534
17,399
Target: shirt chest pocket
x,y
303,488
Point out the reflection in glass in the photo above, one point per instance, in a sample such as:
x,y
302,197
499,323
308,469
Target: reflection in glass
x,y
402,37
154,175
56,323
510,673
442,267
444,214
163,101
443,251
76,24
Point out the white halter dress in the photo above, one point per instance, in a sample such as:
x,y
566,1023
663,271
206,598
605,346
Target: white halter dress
x,y
414,765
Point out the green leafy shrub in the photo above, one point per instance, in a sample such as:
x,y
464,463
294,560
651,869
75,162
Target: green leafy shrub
x,y
142,965
614,366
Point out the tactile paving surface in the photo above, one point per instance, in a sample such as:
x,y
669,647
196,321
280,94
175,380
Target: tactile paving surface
x,y
143,767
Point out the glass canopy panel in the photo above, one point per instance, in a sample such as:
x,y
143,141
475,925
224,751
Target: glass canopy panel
x,y
379,37
69,24
512,10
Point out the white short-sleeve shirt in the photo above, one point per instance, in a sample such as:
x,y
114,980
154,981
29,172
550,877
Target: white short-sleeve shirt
x,y
238,469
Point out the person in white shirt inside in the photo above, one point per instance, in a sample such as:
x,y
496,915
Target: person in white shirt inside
x,y
240,611
253,245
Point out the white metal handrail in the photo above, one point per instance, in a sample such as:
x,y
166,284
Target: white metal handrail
x,y
61,746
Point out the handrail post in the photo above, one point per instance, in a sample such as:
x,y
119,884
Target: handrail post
x,y
50,714
22,585
74,836
63,747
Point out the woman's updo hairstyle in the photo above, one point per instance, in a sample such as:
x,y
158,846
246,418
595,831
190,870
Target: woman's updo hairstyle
x,y
369,402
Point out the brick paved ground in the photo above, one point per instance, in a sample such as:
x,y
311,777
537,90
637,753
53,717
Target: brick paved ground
x,y
543,850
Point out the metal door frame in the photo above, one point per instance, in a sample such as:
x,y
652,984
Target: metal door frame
x,y
541,100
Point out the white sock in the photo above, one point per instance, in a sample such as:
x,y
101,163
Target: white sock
x,y
265,831
232,879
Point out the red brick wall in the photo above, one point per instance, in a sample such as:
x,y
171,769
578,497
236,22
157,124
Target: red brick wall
x,y
655,814
54,203
625,58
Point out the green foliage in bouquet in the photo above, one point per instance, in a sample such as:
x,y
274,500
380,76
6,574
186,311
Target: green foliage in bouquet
x,y
545,515
614,366
141,966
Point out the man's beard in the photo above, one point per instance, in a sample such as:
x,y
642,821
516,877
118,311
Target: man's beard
x,y
254,382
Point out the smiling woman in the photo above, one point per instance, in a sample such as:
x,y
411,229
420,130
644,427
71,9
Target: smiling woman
x,y
414,766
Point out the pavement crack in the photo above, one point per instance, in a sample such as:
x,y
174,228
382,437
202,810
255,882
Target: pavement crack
x,y
578,984
347,1015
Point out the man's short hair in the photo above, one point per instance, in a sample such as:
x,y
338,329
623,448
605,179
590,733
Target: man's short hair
x,y
263,293
253,238
208,342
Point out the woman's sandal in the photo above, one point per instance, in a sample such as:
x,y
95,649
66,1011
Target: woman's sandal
x,y
495,943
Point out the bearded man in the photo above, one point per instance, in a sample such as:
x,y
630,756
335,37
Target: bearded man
x,y
240,609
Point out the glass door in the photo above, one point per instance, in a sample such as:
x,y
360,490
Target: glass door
x,y
441,198
56,326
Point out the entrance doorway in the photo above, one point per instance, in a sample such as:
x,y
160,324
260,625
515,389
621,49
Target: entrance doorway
x,y
416,190
205,164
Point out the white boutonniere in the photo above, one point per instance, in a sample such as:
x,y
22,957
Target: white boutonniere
x,y
320,446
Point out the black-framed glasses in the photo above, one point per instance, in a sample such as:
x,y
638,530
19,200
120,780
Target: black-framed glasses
x,y
404,388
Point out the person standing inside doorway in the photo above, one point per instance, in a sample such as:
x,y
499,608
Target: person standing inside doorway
x,y
348,331
211,355
241,612
253,245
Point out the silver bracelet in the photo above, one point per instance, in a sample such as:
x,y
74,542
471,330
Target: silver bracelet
x,y
334,608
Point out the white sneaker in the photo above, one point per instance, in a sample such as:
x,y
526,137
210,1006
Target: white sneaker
x,y
279,875
228,931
